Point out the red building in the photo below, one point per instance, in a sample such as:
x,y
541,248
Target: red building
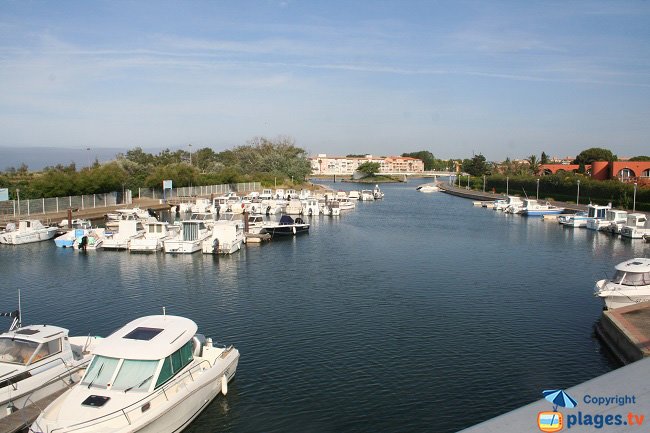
x,y
625,171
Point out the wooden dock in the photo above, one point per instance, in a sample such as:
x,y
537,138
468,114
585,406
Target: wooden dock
x,y
21,420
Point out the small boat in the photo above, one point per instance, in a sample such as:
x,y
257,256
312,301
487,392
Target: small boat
x,y
615,219
226,237
354,195
310,206
92,240
533,208
597,216
128,229
286,227
377,193
28,231
189,239
294,207
155,234
77,223
155,374
578,219
428,187
514,204
113,219
267,194
636,227
630,284
37,361
366,195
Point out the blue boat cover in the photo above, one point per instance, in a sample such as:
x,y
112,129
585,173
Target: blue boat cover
x,y
286,220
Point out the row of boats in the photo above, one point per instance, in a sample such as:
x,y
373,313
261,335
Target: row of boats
x,y
630,283
154,374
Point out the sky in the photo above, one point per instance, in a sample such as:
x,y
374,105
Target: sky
x,y
500,78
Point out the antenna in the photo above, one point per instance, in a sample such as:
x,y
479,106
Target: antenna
x,y
164,311
20,312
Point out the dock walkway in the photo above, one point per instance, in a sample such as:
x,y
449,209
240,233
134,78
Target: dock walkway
x,y
489,196
21,420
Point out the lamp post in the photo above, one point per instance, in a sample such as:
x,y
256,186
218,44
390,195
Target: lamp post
x,y
634,199
89,163
578,195
537,196
507,185
483,183
18,197
190,146
468,181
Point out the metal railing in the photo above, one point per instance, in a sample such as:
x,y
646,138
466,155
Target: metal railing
x,y
12,209
199,190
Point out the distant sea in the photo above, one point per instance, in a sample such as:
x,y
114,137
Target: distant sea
x,y
38,158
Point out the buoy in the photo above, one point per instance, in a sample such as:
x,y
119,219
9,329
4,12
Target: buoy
x,y
224,385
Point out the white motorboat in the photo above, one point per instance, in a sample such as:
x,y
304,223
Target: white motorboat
x,y
428,187
128,229
77,223
636,227
155,234
578,219
28,231
500,204
533,208
366,195
92,240
203,205
615,219
37,361
190,238
290,193
377,193
630,284
294,207
266,194
226,238
354,195
207,217
514,204
597,216
113,219
154,375
310,206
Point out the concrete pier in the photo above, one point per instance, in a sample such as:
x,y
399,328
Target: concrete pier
x,y
599,404
626,331
21,420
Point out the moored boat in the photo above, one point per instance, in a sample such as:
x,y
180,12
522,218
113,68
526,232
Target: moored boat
x,y
189,239
629,285
28,231
155,374
286,227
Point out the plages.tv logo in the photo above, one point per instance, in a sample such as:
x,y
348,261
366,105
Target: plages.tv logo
x,y
553,421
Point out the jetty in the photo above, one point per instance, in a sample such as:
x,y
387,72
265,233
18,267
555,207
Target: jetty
x,y
20,421
482,196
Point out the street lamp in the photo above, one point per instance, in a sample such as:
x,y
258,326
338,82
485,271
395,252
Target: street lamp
x,y
537,196
190,146
483,183
578,195
18,197
89,163
634,199
468,181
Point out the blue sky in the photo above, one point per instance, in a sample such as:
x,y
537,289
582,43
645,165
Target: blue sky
x,y
453,77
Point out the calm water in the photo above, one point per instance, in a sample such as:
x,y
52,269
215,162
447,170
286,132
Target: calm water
x,y
418,313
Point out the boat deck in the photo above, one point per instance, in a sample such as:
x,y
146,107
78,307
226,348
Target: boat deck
x,y
21,420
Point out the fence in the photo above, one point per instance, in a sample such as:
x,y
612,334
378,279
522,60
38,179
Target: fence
x,y
18,208
201,190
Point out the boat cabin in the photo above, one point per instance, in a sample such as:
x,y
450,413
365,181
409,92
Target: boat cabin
x,y
30,345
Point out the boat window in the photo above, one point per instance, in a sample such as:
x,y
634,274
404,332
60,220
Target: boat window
x,y
100,371
16,351
632,278
135,375
47,349
175,363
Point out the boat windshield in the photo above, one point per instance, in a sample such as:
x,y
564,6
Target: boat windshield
x,y
100,371
632,278
135,375
16,351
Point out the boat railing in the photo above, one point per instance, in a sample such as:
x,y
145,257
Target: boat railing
x,y
128,413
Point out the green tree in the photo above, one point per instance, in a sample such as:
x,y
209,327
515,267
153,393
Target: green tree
x,y
425,156
594,154
640,158
477,166
369,168
544,159
534,164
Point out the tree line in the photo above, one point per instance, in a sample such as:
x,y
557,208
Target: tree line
x,y
264,160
